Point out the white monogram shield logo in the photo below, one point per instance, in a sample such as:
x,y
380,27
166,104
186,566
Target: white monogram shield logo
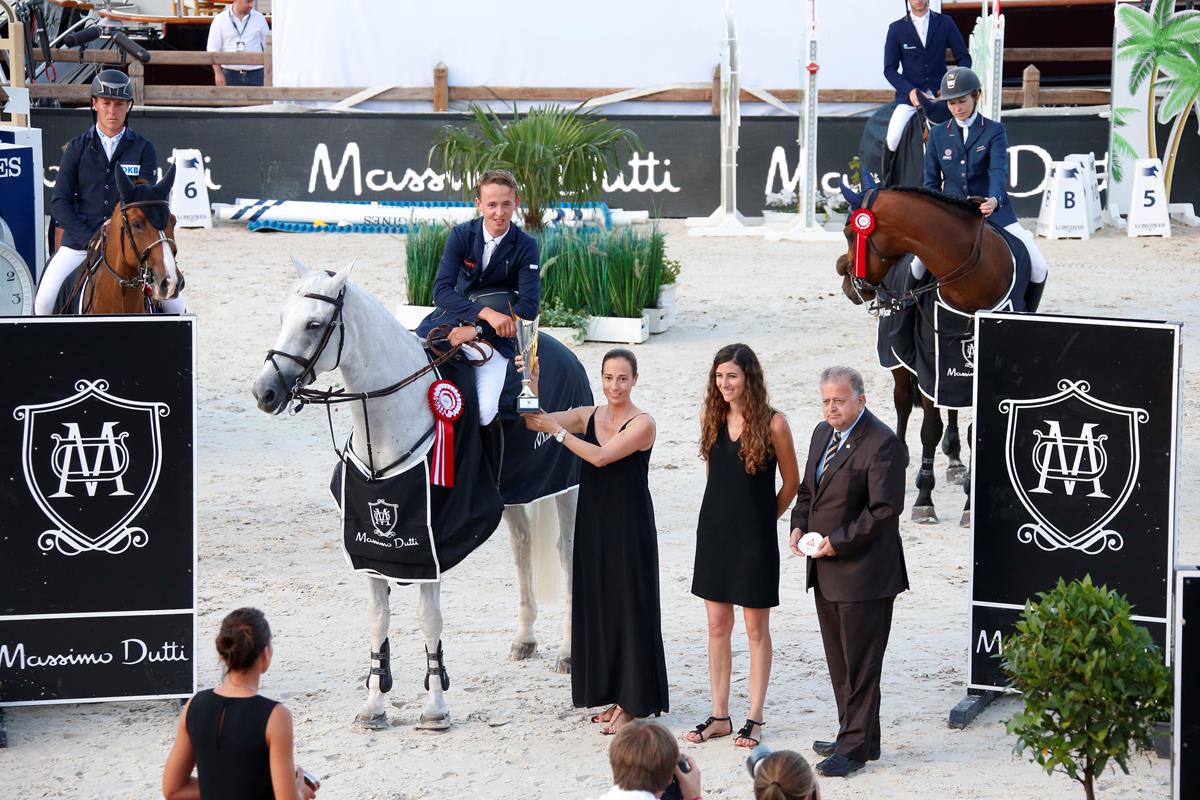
x,y
1073,461
383,518
91,462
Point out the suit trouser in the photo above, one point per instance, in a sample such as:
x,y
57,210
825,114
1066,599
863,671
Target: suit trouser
x,y
855,635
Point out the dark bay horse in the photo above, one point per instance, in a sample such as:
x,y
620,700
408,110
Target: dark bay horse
x,y
970,262
131,259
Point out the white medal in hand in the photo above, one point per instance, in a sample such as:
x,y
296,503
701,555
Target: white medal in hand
x,y
810,543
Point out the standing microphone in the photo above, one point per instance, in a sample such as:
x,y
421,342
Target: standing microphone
x,y
127,45
81,37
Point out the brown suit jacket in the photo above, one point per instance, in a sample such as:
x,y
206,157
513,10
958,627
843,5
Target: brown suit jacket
x,y
857,505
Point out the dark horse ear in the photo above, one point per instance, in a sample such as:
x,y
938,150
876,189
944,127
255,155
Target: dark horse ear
x,y
124,185
162,189
852,197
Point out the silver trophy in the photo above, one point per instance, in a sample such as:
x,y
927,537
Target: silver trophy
x,y
527,339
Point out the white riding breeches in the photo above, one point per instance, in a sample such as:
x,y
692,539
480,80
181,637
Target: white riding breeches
x,y
489,380
65,261
899,121
1037,262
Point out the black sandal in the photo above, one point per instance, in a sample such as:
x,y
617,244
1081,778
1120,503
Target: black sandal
x,y
704,725
608,712
746,730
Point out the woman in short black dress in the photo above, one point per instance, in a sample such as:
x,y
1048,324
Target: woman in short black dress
x,y
744,442
239,741
616,630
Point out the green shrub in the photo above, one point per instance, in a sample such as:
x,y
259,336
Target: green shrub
x,y
1092,681
670,271
556,315
422,254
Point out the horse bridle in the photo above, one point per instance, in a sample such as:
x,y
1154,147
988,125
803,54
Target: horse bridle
x,y
303,396
890,302
144,276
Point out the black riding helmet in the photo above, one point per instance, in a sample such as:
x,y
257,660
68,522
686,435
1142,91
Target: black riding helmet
x,y
112,83
959,82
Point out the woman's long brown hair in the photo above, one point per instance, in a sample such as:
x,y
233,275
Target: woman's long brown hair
x,y
754,445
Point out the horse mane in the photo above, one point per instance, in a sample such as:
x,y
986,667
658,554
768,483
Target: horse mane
x,y
955,203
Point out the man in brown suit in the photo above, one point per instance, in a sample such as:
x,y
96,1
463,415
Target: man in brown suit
x,y
852,494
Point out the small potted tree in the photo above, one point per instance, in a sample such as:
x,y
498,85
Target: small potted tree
x,y
1092,681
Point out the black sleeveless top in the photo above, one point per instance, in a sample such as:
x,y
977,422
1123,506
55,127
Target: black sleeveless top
x,y
229,738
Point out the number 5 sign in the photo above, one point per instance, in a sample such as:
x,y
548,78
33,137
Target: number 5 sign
x,y
189,195
1148,212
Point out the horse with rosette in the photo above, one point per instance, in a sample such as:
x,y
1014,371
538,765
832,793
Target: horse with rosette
x,y
416,492
975,266
130,263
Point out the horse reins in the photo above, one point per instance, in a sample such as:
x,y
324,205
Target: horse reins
x,y
330,397
143,277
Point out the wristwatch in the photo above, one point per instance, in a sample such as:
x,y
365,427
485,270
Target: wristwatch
x,y
478,331
562,434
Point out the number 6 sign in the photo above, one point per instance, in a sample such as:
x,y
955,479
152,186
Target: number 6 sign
x,y
189,195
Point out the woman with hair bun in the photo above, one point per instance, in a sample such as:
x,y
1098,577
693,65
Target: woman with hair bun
x,y
785,775
239,741
744,443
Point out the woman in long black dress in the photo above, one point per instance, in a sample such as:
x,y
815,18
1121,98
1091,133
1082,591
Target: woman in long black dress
x,y
239,741
743,442
616,649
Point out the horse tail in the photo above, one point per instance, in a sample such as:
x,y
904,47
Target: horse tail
x,y
543,550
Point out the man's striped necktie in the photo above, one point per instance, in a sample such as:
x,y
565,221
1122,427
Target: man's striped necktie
x,y
829,452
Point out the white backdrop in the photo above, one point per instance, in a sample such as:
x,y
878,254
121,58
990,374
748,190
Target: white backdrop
x,y
618,43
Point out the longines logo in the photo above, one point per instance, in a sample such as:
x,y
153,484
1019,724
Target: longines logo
x,y
91,462
383,518
1080,470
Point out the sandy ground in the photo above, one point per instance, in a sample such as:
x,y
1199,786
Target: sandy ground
x,y
268,538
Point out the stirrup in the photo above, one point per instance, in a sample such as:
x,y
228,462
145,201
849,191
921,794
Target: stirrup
x,y
434,665
384,670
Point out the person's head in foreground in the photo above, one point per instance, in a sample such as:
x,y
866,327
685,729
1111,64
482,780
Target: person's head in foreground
x,y
785,775
645,758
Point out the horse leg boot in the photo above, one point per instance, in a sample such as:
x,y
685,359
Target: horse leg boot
x,y
520,528
435,716
931,433
372,715
952,447
567,503
493,446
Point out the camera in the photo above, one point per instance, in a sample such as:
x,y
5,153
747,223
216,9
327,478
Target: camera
x,y
311,780
755,758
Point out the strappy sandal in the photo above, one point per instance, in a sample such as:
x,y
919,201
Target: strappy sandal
x,y
748,729
703,726
605,713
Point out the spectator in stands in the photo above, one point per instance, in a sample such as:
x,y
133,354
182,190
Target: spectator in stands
x,y
239,741
645,761
238,29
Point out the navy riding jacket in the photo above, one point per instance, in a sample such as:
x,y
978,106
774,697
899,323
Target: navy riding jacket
x,y
85,191
908,64
514,266
978,166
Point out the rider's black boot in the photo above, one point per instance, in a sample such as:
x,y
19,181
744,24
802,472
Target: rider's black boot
x,y
492,435
1033,295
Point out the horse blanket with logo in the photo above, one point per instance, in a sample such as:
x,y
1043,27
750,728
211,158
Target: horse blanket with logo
x,y
406,529
941,349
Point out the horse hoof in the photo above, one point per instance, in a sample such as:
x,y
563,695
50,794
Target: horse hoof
x,y
563,665
965,522
522,651
956,474
924,515
434,722
372,722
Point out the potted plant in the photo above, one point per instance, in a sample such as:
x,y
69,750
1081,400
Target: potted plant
x,y
1093,683
556,154
666,291
567,325
423,248
780,207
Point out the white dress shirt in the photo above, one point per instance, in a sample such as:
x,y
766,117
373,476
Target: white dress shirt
x,y
965,125
109,143
490,243
228,34
921,23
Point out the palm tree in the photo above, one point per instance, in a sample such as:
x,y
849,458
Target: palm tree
x,y
1153,35
1181,82
556,154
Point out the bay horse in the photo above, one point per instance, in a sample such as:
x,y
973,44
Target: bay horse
x,y
372,348
131,259
971,264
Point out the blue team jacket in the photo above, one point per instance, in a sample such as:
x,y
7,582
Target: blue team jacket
x,y
907,64
85,192
977,167
514,266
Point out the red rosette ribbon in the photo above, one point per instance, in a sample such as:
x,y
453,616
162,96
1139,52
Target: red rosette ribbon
x,y
446,402
863,223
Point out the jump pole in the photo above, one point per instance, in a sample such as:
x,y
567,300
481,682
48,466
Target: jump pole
x,y
987,51
726,220
806,227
